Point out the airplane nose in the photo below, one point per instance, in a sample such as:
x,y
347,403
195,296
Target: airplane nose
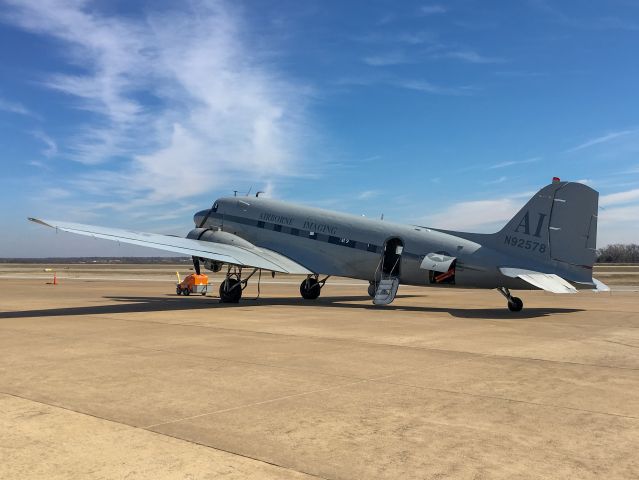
x,y
199,217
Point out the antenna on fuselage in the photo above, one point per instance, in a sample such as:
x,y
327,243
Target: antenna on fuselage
x,y
235,193
382,217
249,191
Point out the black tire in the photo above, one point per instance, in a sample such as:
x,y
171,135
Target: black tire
x,y
310,289
371,290
186,291
515,304
228,294
178,290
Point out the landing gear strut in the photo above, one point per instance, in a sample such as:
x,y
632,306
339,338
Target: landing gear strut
x,y
514,303
232,287
311,287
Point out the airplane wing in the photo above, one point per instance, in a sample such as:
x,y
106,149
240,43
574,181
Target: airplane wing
x,y
545,281
255,257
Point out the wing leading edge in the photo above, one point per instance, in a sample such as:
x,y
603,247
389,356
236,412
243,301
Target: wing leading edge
x,y
255,257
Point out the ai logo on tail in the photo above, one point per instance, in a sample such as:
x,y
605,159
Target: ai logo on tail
x,y
524,224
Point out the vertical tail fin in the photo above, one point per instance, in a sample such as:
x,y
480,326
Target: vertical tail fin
x,y
559,223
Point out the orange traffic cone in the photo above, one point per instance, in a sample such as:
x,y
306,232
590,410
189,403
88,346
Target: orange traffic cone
x,y
55,278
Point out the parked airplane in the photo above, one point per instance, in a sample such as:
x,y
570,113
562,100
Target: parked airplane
x,y
548,245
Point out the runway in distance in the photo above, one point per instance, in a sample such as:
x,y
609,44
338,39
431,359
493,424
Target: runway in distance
x,y
549,244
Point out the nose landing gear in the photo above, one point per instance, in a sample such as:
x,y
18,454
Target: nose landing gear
x,y
514,303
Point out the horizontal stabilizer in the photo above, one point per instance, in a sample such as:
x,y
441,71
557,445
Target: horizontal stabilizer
x,y
600,286
255,257
545,281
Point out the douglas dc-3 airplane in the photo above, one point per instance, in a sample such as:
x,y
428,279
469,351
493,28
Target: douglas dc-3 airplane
x,y
548,245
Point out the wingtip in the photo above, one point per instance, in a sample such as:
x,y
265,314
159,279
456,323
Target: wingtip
x,y
41,222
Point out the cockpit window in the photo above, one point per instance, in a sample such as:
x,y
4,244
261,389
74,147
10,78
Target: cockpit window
x,y
214,209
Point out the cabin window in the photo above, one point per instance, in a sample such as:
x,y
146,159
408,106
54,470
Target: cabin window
x,y
260,224
277,228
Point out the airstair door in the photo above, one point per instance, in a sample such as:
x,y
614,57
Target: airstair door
x,y
388,272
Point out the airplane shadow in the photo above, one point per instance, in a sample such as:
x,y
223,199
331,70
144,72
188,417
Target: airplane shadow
x,y
169,303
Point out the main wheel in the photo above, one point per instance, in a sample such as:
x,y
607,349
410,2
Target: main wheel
x,y
372,290
230,291
310,289
515,305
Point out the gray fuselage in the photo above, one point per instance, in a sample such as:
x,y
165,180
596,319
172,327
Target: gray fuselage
x,y
340,244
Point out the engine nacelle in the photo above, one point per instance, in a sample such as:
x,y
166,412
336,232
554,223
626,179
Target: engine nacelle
x,y
218,236
212,265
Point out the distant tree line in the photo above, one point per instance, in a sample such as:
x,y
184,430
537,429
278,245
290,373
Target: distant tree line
x,y
618,253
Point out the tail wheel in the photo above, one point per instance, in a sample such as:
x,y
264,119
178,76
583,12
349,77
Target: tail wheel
x,y
230,291
310,289
515,304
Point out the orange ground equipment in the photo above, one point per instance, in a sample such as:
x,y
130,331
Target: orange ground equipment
x,y
192,284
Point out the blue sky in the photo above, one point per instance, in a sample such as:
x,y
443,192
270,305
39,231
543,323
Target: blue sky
x,y
448,114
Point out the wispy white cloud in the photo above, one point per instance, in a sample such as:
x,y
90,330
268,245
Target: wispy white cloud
x,y
600,22
619,198
602,139
51,147
520,74
511,163
432,9
618,217
496,181
368,194
408,84
428,87
479,215
469,56
618,224
217,111
15,107
417,38
385,59
38,164
431,52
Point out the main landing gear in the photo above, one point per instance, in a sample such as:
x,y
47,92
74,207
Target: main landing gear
x,y
372,289
232,287
311,287
514,303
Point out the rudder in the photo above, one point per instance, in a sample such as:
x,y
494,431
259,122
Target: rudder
x,y
558,223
